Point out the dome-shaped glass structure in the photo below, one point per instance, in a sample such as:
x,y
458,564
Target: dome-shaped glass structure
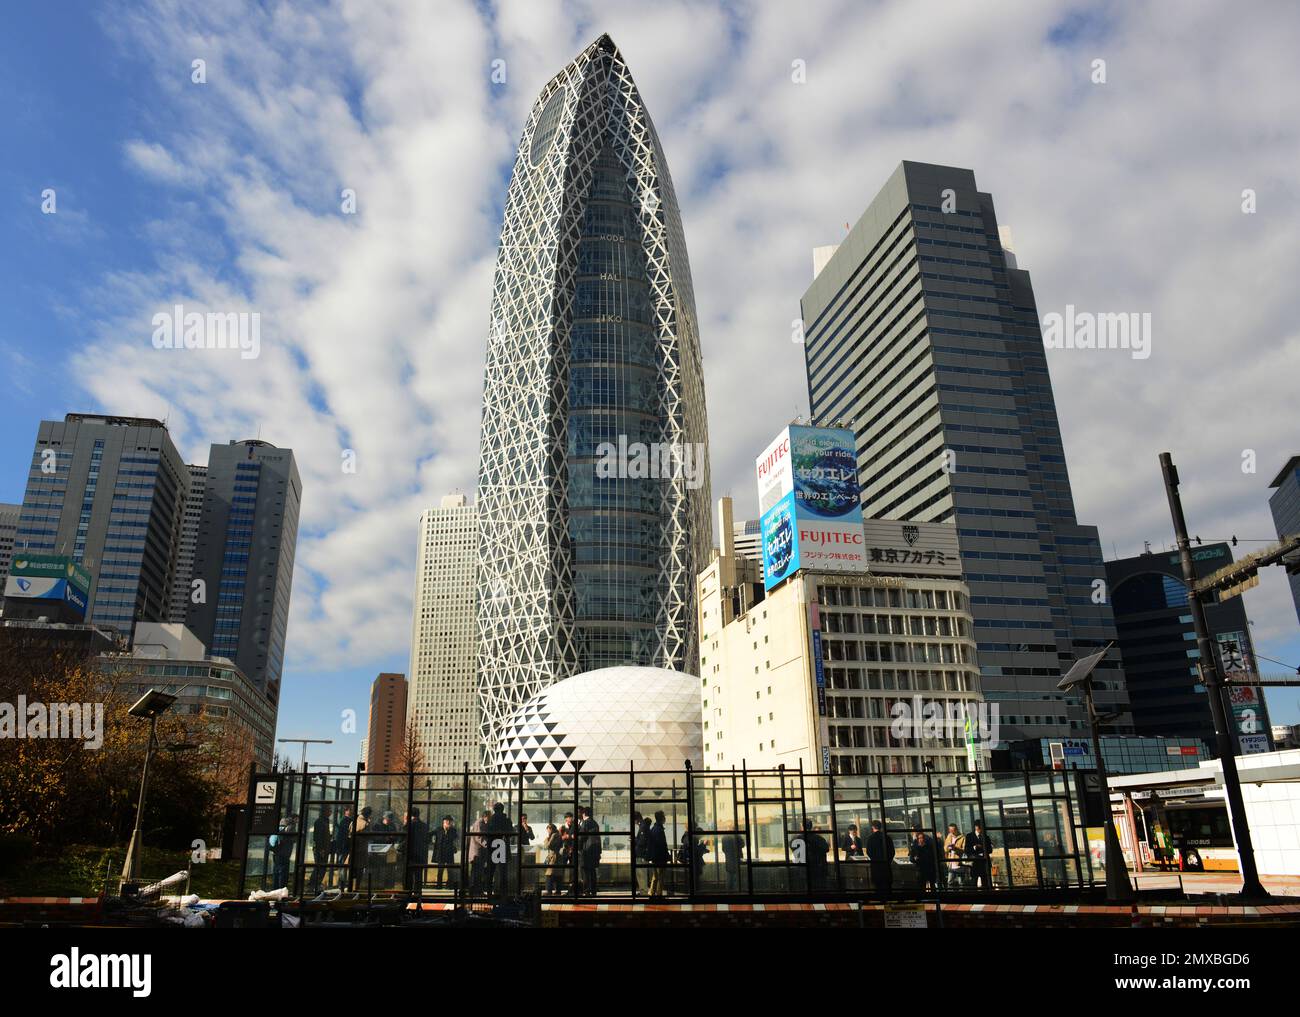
x,y
612,719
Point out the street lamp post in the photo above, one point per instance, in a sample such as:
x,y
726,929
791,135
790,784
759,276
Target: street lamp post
x,y
150,706
1251,887
1118,888
305,742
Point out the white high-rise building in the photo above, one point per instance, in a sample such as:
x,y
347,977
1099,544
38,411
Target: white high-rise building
x,y
442,701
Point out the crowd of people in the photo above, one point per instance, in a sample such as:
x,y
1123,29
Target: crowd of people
x,y
961,860
567,856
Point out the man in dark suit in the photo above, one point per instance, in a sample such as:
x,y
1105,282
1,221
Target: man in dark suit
x,y
880,853
925,859
851,843
979,849
417,831
446,842
498,861
588,850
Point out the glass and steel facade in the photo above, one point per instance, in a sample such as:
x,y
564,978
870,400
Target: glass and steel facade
x,y
593,347
923,333
1284,503
1158,640
244,550
732,834
108,492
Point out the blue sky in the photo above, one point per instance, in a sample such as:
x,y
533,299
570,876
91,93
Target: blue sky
x,y
1123,196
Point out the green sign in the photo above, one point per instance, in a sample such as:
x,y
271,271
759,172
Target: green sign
x,y
50,566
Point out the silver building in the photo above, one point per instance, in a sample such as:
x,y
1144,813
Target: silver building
x,y
593,346
922,334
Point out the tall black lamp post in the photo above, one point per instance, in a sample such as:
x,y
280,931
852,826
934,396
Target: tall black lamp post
x,y
1118,888
152,705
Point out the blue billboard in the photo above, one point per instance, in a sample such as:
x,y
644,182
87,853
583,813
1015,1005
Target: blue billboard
x,y
824,471
808,492
780,542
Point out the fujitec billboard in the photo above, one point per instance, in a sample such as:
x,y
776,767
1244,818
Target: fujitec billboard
x,y
810,474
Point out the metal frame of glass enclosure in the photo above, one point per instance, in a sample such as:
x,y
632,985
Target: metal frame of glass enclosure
x,y
731,834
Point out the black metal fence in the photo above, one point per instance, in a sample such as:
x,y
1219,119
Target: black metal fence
x,y
719,834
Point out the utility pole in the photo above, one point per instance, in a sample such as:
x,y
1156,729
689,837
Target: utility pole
x,y
1251,887
305,742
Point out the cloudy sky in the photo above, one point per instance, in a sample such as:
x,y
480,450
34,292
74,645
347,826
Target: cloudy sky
x,y
1122,195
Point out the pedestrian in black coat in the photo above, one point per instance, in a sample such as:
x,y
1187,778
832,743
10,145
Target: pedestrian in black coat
x,y
880,854
498,848
588,850
446,842
657,855
979,849
923,855
417,832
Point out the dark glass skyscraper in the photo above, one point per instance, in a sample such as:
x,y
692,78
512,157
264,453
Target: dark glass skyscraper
x,y
593,344
243,553
1284,503
108,492
923,336
1158,642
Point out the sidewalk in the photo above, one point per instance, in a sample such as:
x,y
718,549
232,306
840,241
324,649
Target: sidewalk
x,y
1211,882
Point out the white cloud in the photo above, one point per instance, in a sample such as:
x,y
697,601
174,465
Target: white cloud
x,y
1123,196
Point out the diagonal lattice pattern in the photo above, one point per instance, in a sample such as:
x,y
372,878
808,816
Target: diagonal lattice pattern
x,y
593,333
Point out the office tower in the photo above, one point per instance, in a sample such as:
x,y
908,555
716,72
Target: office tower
x,y
1284,503
922,337
107,493
190,518
837,671
593,497
443,704
386,729
8,530
1158,643
244,556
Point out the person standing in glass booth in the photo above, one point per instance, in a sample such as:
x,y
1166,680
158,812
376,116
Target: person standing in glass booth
x,y
979,849
954,849
446,841
321,845
417,831
589,850
880,854
658,855
553,846
343,837
478,853
498,847
925,859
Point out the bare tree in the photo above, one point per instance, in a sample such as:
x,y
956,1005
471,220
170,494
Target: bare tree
x,y
411,758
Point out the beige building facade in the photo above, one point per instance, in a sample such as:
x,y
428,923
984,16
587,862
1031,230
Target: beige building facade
x,y
844,673
444,706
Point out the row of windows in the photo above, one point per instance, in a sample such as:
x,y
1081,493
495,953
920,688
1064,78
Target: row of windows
x,y
849,596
